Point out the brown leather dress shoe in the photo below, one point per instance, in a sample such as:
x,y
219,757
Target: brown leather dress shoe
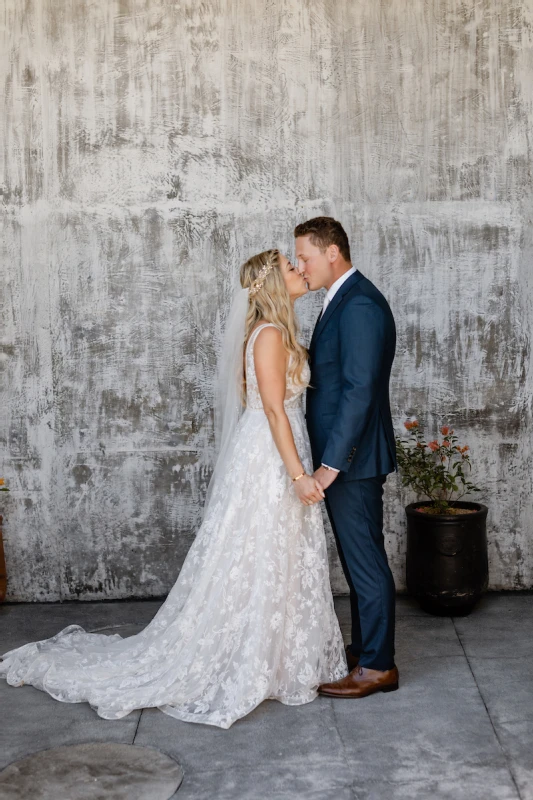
x,y
361,682
352,660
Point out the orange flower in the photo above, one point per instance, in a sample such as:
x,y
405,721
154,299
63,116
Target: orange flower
x,y
464,449
445,430
433,445
446,443
2,481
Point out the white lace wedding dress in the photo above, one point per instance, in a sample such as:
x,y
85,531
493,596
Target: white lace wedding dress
x,y
250,616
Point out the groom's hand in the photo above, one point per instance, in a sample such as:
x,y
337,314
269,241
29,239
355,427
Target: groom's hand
x,y
325,477
308,490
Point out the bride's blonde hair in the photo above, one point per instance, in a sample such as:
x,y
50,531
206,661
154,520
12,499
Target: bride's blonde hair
x,y
270,301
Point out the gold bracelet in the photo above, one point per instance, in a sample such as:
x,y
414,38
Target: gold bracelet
x,y
297,478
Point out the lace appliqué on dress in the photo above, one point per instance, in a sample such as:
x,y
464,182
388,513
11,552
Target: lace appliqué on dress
x,y
250,616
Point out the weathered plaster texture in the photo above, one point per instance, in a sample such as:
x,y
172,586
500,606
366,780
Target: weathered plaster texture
x,y
149,148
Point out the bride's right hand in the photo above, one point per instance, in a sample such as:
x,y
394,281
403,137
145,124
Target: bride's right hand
x,y
308,490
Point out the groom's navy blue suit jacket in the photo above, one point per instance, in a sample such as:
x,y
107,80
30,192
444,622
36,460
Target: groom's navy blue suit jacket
x,y
347,407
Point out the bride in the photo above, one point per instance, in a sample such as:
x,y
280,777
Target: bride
x,y
251,614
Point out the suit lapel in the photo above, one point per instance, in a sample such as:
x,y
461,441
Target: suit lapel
x,y
330,310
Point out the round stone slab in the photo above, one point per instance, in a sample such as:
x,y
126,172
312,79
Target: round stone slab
x,y
92,772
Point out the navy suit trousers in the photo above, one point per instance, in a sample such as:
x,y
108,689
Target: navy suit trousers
x,y
355,510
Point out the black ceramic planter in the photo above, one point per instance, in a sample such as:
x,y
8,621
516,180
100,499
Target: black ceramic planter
x,y
447,564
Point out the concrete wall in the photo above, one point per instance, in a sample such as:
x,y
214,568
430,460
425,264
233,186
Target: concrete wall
x,y
149,148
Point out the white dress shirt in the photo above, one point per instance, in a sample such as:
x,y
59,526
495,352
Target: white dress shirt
x,y
330,294
334,288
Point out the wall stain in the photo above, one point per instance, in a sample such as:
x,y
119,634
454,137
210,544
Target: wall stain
x,y
150,148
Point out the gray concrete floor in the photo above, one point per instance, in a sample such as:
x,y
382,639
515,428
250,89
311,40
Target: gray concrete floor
x,y
460,727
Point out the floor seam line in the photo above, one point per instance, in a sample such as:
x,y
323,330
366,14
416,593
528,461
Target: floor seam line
x,y
344,750
137,726
508,759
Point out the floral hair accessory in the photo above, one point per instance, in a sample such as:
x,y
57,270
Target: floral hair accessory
x,y
259,281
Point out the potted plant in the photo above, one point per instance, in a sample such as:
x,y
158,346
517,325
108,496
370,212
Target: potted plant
x,y
447,563
3,572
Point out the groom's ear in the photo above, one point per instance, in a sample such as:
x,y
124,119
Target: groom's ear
x,y
333,253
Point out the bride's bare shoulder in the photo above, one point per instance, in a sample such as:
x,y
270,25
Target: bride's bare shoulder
x,y
269,348
270,333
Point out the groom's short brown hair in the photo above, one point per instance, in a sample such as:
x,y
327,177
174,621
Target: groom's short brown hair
x,y
322,232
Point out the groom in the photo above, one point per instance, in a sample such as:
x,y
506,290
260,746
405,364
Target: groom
x,y
352,440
